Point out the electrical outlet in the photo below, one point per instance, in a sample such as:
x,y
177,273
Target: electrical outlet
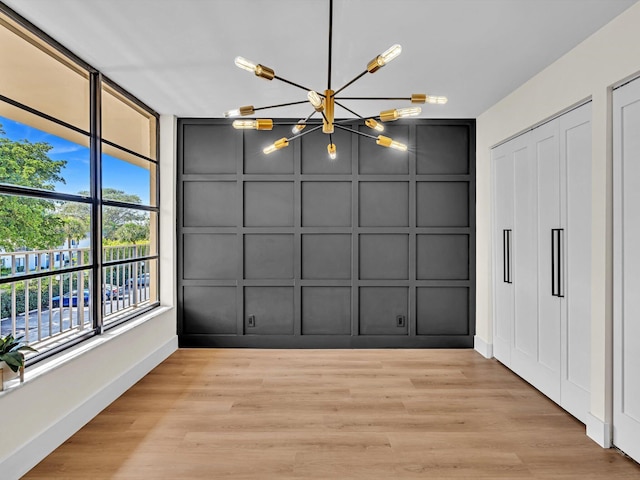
x,y
400,321
251,321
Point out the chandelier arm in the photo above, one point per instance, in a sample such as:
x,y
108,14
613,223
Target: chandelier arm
x,y
304,133
346,85
349,110
349,120
281,105
356,132
302,87
292,123
344,120
373,98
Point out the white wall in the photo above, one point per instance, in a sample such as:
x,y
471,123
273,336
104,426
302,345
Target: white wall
x,y
63,393
588,71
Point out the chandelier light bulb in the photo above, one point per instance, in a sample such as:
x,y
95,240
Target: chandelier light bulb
x,y
277,145
391,53
239,112
392,115
384,58
390,143
315,100
245,64
436,100
299,127
245,124
398,146
331,148
408,112
232,113
257,124
372,124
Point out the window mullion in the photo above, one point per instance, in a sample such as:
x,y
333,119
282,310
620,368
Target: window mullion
x,y
96,195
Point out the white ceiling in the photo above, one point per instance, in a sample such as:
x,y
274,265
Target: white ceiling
x,y
177,55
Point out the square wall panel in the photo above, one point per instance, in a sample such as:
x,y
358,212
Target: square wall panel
x,y
442,150
326,256
384,204
442,257
210,204
377,160
442,204
268,204
315,158
210,256
380,308
210,149
384,257
268,256
326,310
272,308
209,310
442,310
255,161
326,204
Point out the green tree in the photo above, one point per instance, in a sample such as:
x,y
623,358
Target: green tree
x,y
76,220
112,217
115,217
25,221
132,233
74,229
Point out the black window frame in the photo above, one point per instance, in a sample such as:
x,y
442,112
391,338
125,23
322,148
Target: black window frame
x,y
94,200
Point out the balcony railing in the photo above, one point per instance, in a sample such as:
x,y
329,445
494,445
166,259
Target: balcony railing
x,y
53,307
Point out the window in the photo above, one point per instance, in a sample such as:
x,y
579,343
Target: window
x,y
78,196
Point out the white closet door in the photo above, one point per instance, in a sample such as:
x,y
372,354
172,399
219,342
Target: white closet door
x,y
502,158
575,159
524,348
626,160
546,363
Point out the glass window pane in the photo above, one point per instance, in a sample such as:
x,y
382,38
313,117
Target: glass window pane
x,y
126,124
127,287
128,178
56,306
34,74
128,233
37,153
38,234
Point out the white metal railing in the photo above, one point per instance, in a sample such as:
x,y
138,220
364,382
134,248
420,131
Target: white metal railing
x,y
53,307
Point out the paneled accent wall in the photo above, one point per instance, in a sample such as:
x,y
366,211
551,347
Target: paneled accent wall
x,y
291,249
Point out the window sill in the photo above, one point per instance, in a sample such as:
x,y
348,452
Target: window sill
x,y
59,360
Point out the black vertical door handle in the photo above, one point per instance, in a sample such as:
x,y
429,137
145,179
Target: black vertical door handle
x,y
505,275
560,247
553,262
556,262
506,256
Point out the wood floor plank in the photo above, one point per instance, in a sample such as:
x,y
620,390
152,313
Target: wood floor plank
x,y
332,414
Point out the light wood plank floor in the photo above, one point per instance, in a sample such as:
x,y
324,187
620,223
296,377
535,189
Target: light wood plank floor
x,y
332,414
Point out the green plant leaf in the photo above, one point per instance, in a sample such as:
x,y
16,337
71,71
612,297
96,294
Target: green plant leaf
x,y
13,359
9,344
26,348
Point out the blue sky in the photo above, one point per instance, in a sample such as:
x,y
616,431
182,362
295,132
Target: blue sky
x,y
116,173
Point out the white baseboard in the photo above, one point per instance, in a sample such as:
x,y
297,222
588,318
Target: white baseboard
x,y
483,348
31,453
599,431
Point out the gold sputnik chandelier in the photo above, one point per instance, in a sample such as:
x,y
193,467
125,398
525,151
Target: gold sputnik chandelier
x,y
325,103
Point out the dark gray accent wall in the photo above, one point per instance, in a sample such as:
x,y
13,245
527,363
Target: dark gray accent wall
x,y
373,249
